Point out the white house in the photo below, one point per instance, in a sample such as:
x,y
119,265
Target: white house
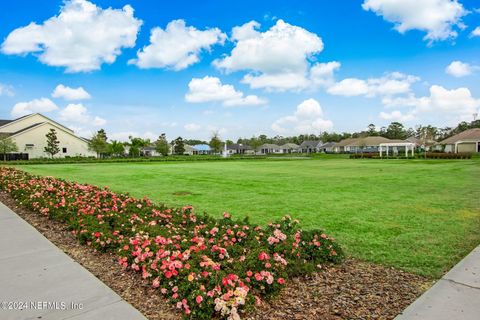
x,y
269,148
29,131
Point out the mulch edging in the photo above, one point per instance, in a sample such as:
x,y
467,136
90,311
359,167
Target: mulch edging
x,y
351,290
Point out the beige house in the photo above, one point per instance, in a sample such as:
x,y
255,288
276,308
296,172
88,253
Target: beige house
x,y
290,148
29,131
369,144
466,141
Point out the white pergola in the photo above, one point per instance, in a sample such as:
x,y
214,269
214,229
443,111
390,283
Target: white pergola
x,y
409,146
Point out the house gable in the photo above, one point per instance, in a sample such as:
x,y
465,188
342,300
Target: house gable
x,y
28,121
54,125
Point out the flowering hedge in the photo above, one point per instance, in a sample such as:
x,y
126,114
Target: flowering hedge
x,y
206,267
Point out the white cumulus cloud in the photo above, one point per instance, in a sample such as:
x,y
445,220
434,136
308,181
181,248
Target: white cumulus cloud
x,y
68,93
211,89
36,105
177,47
438,18
459,69
307,118
391,84
277,59
78,113
453,104
80,38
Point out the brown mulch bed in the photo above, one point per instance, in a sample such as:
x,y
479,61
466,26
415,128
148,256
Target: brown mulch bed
x,y
351,290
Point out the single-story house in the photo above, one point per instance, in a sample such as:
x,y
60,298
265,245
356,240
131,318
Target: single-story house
x,y
340,146
327,147
466,141
290,148
149,151
189,150
269,148
202,149
28,132
239,148
310,146
363,144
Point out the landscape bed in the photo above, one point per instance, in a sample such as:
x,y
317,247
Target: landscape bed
x,y
385,212
203,266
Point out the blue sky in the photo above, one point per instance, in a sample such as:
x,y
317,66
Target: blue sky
x,y
299,67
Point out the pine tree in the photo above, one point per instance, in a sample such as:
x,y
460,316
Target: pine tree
x,y
179,146
161,145
52,143
216,143
99,144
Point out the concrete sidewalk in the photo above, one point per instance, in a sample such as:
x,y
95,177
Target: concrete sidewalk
x,y
455,296
45,283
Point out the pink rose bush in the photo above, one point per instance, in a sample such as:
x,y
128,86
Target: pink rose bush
x,y
206,267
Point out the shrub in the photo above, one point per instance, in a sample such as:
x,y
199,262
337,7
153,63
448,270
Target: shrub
x,y
445,155
206,267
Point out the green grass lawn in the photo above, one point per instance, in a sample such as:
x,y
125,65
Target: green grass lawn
x,y
421,216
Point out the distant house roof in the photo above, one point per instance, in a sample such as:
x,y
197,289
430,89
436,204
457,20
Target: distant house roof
x,y
467,135
269,146
344,142
328,145
238,146
290,146
310,144
365,141
202,147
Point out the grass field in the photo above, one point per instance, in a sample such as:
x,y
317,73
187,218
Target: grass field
x,y
421,216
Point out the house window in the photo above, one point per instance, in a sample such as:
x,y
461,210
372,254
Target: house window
x,y
29,146
64,150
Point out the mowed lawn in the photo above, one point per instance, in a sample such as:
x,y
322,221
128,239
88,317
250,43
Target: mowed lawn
x,y
421,216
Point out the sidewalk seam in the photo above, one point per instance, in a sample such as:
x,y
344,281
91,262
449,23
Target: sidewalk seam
x,y
460,283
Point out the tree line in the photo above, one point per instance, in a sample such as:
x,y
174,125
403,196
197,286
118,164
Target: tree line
x,y
395,130
100,144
